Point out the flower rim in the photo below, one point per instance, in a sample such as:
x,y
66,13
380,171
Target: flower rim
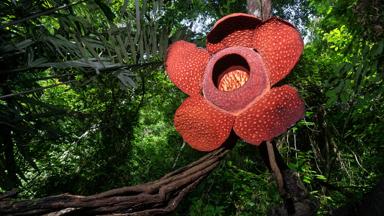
x,y
233,101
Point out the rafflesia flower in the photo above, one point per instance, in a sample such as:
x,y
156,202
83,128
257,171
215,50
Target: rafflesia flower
x,y
231,83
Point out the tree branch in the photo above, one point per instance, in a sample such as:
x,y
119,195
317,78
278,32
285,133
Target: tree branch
x,y
34,90
153,198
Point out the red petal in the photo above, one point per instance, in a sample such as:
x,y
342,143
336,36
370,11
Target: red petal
x,y
233,30
201,125
269,117
185,65
280,45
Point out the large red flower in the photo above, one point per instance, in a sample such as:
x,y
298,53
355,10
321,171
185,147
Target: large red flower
x,y
230,82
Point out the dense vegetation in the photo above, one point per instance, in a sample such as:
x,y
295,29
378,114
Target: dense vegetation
x,y
85,104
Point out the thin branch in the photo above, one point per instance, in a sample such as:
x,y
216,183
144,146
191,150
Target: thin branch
x,y
49,77
178,155
36,15
35,90
275,168
118,66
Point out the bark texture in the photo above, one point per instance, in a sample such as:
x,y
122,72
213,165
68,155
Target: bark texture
x,y
153,198
260,8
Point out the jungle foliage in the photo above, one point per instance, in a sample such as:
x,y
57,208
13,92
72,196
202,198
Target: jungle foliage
x,y
86,106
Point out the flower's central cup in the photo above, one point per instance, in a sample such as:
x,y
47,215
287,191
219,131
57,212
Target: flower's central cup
x,y
230,72
234,78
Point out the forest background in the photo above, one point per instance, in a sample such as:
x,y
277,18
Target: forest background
x,y
86,106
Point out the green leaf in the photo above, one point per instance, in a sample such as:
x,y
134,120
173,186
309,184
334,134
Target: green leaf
x,y
321,177
379,48
106,10
126,78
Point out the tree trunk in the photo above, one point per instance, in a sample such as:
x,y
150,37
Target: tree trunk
x,y
260,8
297,201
